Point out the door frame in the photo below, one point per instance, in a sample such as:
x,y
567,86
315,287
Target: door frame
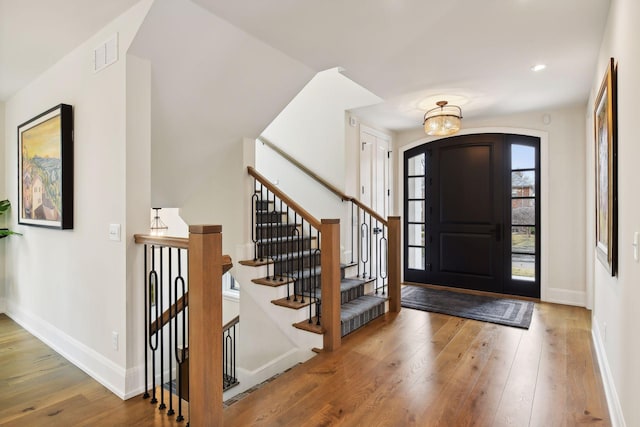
x,y
546,293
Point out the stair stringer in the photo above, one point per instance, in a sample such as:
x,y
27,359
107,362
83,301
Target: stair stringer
x,y
267,342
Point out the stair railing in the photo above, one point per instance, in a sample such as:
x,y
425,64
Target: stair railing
x,y
374,240
180,308
229,375
293,244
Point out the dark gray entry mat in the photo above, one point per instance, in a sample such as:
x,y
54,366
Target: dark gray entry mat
x,y
509,312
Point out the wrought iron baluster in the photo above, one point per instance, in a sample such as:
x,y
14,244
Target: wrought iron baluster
x,y
153,308
159,331
352,232
180,356
364,252
384,255
377,230
300,247
272,240
359,243
293,274
170,347
319,300
255,199
281,232
370,246
146,325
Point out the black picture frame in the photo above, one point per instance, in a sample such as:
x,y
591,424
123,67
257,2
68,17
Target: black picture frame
x,y
606,170
45,169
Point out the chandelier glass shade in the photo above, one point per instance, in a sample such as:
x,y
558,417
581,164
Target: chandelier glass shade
x,y
158,227
443,120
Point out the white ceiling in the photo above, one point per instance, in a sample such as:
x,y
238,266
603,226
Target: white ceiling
x,y
408,50
35,34
402,50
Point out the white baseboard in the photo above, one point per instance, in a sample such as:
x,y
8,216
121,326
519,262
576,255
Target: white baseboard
x,y
3,305
615,410
566,297
90,361
134,382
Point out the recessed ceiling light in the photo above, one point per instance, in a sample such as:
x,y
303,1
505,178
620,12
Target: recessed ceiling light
x,y
538,67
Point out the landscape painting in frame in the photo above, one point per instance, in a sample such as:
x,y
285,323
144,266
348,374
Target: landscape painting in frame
x,y
606,170
45,169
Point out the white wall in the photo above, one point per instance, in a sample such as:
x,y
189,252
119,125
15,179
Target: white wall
x,y
615,313
311,129
138,200
564,275
70,287
212,85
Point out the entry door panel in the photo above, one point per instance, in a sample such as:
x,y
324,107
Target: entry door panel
x,y
467,211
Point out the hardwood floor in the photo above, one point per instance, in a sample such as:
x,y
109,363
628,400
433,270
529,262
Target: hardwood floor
x,y
413,368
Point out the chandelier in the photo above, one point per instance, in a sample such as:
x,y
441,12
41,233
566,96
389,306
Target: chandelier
x,y
443,120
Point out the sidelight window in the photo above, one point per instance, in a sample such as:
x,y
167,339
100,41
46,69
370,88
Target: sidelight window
x,y
524,226
415,196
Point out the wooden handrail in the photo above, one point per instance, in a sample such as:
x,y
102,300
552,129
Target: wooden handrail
x,y
169,314
231,323
303,168
286,199
370,211
323,182
167,241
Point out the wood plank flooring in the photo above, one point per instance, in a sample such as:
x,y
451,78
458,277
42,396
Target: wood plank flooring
x,y
408,369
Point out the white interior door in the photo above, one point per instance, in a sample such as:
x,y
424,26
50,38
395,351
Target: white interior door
x,y
375,163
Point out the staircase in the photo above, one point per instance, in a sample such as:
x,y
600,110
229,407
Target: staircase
x,y
290,248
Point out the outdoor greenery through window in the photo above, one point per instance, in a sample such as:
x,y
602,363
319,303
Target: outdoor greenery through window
x,y
523,212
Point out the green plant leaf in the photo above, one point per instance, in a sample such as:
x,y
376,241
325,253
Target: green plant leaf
x,y
4,206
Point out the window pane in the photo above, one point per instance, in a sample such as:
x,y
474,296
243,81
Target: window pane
x,y
523,183
416,258
523,239
523,267
416,165
523,157
523,212
416,234
416,188
416,211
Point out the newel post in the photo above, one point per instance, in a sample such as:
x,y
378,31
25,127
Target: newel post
x,y
330,283
205,325
394,263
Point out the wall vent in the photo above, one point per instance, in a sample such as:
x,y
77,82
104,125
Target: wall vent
x,y
105,54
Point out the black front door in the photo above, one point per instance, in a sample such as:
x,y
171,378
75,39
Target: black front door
x,y
458,212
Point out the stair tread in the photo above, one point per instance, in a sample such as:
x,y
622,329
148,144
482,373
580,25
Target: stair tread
x,y
285,239
352,282
276,224
355,307
294,255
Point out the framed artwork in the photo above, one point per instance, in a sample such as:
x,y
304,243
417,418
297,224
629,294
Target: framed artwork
x,y
606,170
45,169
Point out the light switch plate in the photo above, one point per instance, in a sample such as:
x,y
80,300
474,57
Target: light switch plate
x,y
114,232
